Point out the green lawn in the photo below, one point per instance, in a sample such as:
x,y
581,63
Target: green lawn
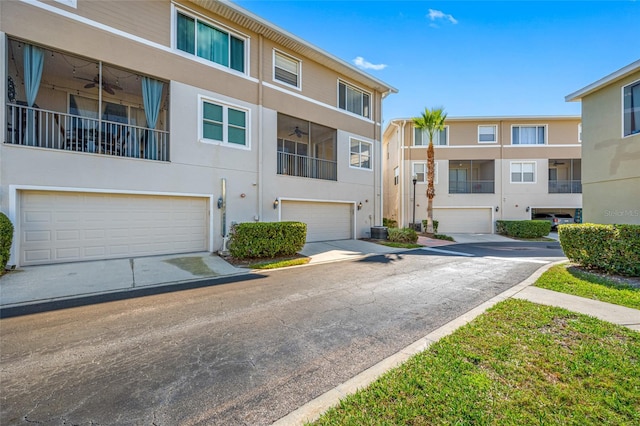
x,y
518,364
567,279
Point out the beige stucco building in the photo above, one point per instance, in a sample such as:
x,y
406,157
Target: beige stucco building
x,y
611,147
130,137
486,169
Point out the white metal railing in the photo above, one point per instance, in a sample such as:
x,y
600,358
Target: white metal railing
x,y
471,187
41,128
565,187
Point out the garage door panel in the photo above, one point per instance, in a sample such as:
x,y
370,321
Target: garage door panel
x,y
464,220
63,227
325,221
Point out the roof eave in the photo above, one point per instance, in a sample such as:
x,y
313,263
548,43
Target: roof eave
x,y
604,81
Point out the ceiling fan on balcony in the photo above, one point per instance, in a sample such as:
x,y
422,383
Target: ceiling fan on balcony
x,y
107,87
298,132
557,163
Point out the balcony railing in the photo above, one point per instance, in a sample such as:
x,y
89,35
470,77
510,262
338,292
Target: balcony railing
x,y
303,166
565,187
471,187
55,130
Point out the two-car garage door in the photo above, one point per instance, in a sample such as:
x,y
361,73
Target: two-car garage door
x,y
325,220
72,226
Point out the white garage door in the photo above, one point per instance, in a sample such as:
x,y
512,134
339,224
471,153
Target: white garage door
x,y
463,221
325,221
72,226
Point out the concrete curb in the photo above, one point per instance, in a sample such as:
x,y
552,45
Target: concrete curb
x,y
314,408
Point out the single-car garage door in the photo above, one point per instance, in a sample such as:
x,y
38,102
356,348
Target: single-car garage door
x,y
60,227
325,221
463,220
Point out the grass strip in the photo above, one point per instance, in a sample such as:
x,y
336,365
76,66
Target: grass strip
x,y
568,279
518,364
280,263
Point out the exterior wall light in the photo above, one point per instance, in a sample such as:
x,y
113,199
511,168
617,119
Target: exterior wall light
x,y
360,205
497,208
527,209
275,203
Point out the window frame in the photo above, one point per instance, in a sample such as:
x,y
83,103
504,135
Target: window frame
x,y
579,132
231,32
535,172
276,53
624,114
436,137
546,134
396,175
425,181
495,133
360,142
362,92
225,123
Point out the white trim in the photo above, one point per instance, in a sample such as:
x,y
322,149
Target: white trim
x,y
310,200
426,170
293,58
225,125
535,171
70,3
450,146
495,133
359,89
623,136
316,102
611,78
370,168
565,145
13,206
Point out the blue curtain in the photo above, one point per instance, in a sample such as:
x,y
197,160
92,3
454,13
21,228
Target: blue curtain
x,y
33,65
152,97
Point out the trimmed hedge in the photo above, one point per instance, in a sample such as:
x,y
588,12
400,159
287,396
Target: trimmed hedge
x,y
6,237
435,225
523,228
611,248
404,235
266,239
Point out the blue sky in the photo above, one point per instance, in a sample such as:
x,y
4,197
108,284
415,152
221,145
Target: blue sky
x,y
474,58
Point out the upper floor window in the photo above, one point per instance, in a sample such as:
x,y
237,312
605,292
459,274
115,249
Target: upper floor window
x,y
420,172
224,124
396,175
487,134
440,138
579,132
202,39
286,69
528,135
523,172
631,94
360,154
354,100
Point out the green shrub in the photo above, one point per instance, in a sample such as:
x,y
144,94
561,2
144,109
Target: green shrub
x,y
389,223
443,237
523,228
435,225
610,248
404,235
6,237
267,239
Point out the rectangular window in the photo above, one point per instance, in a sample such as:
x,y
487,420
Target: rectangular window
x,y
523,172
440,138
420,172
631,95
286,69
360,154
224,124
579,132
202,39
396,175
487,134
353,100
528,135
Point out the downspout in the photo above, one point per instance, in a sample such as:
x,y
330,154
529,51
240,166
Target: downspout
x,y
402,171
260,125
501,174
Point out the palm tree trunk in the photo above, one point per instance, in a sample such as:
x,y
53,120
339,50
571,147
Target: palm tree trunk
x,y
431,192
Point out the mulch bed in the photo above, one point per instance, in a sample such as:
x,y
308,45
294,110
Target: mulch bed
x,y
618,279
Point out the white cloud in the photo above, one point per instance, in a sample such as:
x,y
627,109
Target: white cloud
x,y
438,14
366,65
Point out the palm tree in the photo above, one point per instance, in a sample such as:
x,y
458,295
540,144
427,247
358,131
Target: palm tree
x,y
431,120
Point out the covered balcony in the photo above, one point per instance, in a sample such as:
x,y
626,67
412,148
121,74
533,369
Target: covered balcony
x,y
471,177
565,176
306,149
65,102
